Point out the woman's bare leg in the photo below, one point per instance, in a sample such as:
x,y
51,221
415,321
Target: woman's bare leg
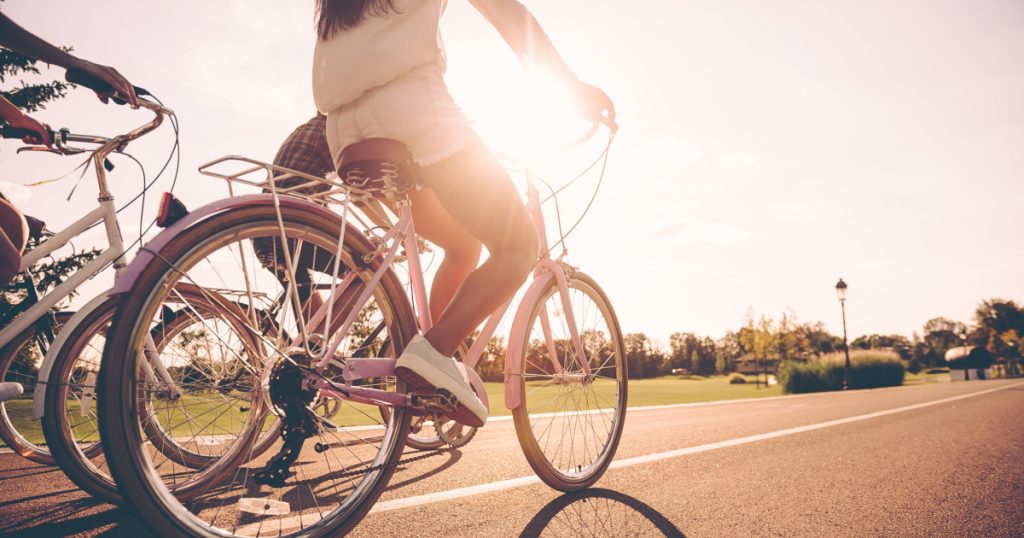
x,y
461,250
480,196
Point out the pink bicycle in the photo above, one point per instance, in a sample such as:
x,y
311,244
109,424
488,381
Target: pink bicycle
x,y
326,362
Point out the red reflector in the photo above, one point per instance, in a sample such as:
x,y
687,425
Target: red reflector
x,y
164,214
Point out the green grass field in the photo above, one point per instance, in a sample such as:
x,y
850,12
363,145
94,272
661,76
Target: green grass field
x,y
642,392
921,378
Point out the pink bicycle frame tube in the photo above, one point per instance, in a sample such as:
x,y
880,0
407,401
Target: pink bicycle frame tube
x,y
335,342
547,264
412,253
546,270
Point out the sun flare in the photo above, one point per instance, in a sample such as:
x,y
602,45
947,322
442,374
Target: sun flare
x,y
526,113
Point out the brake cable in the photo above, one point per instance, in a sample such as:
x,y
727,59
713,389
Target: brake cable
x,y
601,158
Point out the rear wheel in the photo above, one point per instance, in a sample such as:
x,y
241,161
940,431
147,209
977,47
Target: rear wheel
x,y
569,423
338,471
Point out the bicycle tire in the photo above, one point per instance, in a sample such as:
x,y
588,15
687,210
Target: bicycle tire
x,y
55,430
140,482
72,381
575,465
14,439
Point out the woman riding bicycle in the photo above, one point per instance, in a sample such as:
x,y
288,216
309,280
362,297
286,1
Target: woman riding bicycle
x,y
378,73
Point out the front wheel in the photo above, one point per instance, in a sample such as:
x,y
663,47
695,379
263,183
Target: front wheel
x,y
570,422
19,363
70,423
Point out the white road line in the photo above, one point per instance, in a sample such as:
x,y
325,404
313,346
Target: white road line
x,y
458,493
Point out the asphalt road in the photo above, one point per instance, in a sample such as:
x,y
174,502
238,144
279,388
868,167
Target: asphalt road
x,y
939,460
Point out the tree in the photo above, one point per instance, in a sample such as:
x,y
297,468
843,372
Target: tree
x,y
729,347
999,326
1000,316
941,334
896,342
705,362
492,363
721,362
32,97
819,340
681,350
788,341
643,358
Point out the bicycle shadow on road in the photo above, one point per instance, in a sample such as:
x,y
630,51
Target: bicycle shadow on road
x,y
37,500
602,512
297,495
453,457
66,519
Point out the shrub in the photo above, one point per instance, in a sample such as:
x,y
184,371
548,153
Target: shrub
x,y
737,378
868,369
937,371
914,366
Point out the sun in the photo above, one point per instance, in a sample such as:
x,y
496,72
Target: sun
x,y
525,113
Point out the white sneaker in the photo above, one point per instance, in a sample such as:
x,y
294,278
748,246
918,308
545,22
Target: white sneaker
x,y
10,390
422,366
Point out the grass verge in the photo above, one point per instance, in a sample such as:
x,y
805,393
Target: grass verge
x,y
642,392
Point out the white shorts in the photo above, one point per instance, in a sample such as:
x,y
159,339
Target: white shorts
x,y
414,109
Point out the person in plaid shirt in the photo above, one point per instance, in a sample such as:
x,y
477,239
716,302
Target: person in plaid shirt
x,y
306,151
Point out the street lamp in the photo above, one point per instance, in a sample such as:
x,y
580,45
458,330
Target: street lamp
x,y
841,292
967,365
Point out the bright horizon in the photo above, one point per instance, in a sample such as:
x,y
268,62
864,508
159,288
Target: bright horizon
x,y
765,151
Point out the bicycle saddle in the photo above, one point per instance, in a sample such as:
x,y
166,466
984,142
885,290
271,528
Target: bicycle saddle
x,y
377,164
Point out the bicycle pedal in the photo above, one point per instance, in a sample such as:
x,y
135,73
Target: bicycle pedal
x,y
435,402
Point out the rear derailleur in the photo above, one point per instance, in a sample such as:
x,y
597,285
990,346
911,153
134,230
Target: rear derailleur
x,y
291,402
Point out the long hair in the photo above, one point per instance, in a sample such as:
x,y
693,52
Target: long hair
x,y
333,16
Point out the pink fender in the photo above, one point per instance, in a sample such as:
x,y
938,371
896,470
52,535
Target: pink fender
x,y
514,352
131,273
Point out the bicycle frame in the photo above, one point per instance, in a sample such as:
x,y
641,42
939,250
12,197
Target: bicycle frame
x,y
398,234
403,234
105,213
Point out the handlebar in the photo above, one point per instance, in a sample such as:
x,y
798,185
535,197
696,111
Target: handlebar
x,y
107,145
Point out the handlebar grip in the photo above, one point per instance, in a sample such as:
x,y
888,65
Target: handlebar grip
x,y
77,76
17,132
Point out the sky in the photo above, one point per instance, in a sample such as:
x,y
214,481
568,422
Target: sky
x,y
766,149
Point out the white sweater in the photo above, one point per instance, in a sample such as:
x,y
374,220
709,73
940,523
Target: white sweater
x,y
383,47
